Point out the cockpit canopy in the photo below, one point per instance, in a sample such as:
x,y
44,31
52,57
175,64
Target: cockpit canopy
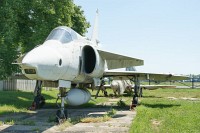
x,y
62,34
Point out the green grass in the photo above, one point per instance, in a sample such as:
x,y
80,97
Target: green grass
x,y
1,123
106,117
95,119
157,113
18,101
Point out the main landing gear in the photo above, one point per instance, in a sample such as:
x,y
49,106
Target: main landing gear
x,y
137,92
39,100
61,114
101,87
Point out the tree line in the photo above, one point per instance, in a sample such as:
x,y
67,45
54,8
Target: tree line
x,y
26,23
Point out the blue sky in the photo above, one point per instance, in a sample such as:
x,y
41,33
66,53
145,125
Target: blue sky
x,y
164,33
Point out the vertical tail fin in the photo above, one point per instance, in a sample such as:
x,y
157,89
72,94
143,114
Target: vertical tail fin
x,y
94,37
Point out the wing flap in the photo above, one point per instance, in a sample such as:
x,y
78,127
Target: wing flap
x,y
115,61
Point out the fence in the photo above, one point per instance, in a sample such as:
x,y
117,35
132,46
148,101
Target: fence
x,y
17,84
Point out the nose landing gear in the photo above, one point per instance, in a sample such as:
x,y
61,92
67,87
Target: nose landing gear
x,y
61,114
39,100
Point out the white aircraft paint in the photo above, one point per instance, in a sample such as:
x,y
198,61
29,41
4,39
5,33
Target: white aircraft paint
x,y
77,60
77,96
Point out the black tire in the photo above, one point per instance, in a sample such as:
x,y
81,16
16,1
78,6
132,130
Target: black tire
x,y
105,93
40,101
140,94
59,117
135,101
66,114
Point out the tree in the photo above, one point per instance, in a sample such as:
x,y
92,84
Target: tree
x,y
42,16
8,39
26,24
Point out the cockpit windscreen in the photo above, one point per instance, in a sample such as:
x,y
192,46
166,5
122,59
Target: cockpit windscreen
x,y
61,35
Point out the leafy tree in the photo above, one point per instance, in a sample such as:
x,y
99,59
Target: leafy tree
x,y
42,16
25,24
8,38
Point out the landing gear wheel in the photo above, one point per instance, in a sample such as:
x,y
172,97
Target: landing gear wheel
x,y
61,114
134,103
38,102
140,92
105,93
137,92
60,118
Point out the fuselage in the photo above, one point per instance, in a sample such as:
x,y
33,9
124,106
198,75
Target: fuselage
x,y
65,55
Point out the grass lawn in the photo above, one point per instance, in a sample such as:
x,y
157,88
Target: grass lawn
x,y
158,113
18,101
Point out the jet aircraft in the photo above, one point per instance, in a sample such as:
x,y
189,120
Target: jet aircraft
x,y
68,60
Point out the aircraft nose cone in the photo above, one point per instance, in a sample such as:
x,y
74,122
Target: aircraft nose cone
x,y
41,63
41,56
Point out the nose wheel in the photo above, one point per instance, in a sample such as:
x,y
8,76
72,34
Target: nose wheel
x,y
61,114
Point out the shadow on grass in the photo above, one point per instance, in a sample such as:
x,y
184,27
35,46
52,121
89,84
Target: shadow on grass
x,y
14,104
18,100
114,96
160,105
21,100
94,105
39,121
151,97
